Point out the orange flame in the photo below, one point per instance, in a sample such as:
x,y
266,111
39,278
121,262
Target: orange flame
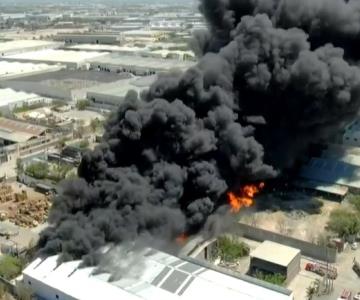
x,y
181,239
245,198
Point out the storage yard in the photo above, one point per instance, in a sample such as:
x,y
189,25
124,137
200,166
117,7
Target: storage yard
x,y
22,205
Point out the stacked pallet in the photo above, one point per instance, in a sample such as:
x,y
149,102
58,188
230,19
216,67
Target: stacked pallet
x,y
6,193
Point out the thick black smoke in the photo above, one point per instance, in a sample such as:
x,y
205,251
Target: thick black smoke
x,y
168,159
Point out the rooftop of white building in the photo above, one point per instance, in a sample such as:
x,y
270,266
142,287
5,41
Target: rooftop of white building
x,y
143,62
14,69
59,56
23,44
155,275
8,96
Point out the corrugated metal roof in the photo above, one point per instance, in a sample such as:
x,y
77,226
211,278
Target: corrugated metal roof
x,y
161,277
332,171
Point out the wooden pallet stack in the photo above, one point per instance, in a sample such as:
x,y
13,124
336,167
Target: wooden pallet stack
x,y
6,193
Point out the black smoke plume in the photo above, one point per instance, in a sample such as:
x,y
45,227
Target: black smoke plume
x,y
168,159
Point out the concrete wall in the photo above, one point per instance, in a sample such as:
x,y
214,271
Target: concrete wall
x,y
307,249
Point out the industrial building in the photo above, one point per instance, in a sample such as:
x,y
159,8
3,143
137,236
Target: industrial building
x,y
72,59
89,38
137,65
333,172
274,258
70,85
12,132
21,46
108,97
15,69
10,100
156,275
331,191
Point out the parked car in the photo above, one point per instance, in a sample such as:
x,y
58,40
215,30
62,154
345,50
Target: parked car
x,y
354,246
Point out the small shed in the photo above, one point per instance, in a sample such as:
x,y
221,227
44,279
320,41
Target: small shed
x,y
274,258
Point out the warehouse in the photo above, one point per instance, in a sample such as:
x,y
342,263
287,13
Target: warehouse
x,y
156,275
138,65
108,97
274,258
10,100
12,132
70,85
88,38
333,172
15,69
21,46
331,191
72,59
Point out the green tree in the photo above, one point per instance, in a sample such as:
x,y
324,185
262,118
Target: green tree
x,y
230,249
276,278
355,201
343,222
39,170
96,124
19,166
10,266
82,104
84,144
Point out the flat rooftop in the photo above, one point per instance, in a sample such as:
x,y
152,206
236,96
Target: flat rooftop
x,y
8,96
56,56
121,87
10,69
275,253
334,189
142,62
25,44
156,275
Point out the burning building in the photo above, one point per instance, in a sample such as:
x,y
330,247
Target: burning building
x,y
176,156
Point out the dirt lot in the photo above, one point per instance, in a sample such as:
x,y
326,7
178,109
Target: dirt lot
x,y
297,224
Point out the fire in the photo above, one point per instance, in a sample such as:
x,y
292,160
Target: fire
x,y
181,239
245,198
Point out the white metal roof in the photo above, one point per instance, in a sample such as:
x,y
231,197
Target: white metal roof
x,y
9,69
275,253
23,44
8,96
142,62
61,56
162,276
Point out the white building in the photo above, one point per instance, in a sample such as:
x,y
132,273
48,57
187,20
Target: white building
x,y
10,70
156,275
73,59
109,96
10,99
20,46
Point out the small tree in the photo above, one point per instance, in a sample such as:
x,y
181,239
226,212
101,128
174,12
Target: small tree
x,y
10,266
82,104
343,222
276,278
38,170
355,201
230,249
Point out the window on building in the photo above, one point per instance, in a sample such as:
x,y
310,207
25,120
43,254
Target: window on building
x,y
57,296
29,282
355,139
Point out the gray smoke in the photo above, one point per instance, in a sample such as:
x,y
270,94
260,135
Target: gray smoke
x,y
169,157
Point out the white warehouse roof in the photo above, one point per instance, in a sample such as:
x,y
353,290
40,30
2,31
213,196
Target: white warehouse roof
x,y
9,96
12,69
56,56
23,45
162,277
